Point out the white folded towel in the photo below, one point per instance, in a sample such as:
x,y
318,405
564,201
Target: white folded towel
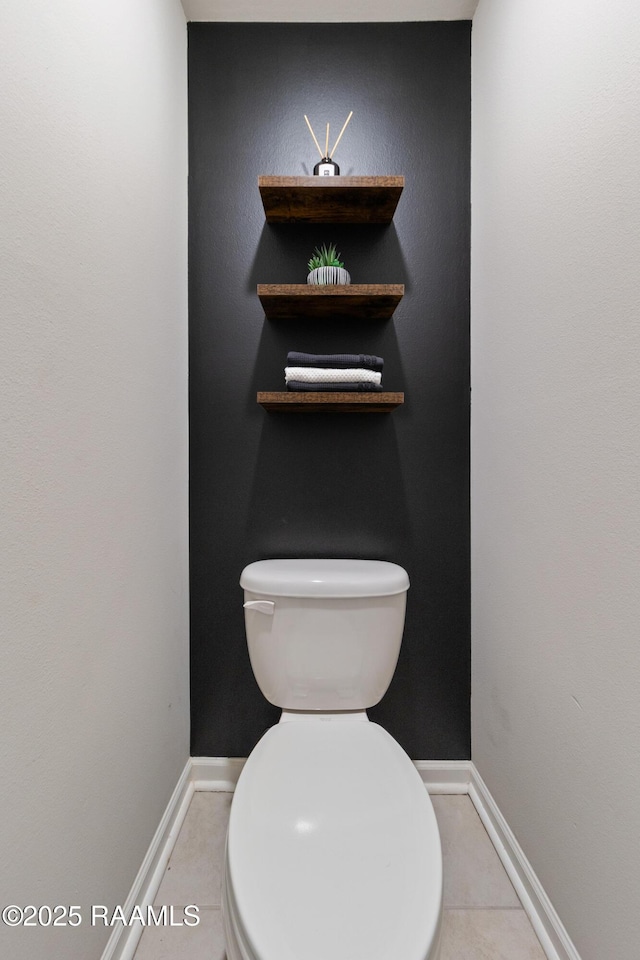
x,y
331,375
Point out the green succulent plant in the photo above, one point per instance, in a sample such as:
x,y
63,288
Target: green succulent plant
x,y
325,256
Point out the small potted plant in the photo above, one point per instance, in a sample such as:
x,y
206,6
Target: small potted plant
x,y
326,268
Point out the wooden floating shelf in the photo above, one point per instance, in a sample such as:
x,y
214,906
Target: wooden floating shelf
x,y
357,301
330,199
292,402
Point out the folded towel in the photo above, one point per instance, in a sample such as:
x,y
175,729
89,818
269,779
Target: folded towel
x,y
334,360
352,387
330,375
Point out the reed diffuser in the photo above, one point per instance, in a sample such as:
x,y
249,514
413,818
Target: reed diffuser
x,y
326,167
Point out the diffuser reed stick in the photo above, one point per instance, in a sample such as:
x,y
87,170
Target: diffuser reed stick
x,y
314,137
340,135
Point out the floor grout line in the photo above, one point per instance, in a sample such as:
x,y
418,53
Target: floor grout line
x,y
181,906
484,908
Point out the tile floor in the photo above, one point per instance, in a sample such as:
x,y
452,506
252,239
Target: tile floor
x,y
483,917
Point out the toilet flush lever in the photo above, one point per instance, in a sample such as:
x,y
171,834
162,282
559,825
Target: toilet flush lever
x,y
262,606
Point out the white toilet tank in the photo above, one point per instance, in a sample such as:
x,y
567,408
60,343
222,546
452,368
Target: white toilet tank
x,y
324,634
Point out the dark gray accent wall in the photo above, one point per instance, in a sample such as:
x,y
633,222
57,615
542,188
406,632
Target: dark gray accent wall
x,y
392,487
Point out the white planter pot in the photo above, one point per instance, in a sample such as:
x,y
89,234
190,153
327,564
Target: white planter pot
x,y
325,276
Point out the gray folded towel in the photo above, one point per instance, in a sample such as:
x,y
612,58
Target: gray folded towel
x,y
341,360
300,386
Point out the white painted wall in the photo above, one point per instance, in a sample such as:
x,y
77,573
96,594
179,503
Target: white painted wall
x,y
93,472
555,441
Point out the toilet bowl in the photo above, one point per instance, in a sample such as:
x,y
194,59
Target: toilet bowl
x,y
333,851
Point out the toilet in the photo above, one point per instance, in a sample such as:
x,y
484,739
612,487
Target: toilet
x,y
332,851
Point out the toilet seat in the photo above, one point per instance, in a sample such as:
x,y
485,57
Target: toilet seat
x,y
333,851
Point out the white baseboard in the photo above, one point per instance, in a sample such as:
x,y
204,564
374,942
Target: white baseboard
x,y
549,929
445,776
439,777
216,773
123,940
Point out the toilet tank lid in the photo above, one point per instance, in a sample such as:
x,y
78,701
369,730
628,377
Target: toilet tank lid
x,y
324,578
